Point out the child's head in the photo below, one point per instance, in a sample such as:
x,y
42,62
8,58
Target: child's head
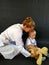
x,y
32,34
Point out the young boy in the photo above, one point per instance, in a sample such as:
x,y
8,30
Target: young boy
x,y
31,44
36,52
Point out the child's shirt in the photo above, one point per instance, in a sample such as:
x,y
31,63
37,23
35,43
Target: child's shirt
x,y
30,41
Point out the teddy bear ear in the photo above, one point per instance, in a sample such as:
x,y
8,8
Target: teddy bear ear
x,y
29,50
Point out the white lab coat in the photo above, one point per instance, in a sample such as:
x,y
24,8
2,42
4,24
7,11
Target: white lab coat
x,y
13,33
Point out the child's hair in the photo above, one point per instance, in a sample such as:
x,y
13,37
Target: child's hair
x,y
32,31
29,22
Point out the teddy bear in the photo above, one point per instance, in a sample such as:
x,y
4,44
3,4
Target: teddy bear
x,y
40,52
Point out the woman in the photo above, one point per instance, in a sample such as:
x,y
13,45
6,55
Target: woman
x,y
14,33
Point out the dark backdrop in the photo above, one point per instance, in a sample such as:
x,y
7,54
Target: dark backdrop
x,y
14,11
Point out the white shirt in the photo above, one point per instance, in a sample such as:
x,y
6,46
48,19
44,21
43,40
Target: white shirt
x,y
30,41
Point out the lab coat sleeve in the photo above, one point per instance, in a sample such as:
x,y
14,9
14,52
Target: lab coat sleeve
x,y
25,52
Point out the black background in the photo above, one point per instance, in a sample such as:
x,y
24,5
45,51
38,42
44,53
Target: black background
x,y
14,11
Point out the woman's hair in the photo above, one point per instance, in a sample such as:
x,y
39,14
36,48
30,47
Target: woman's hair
x,y
29,22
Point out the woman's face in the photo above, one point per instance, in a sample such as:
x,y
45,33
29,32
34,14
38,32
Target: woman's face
x,y
27,29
